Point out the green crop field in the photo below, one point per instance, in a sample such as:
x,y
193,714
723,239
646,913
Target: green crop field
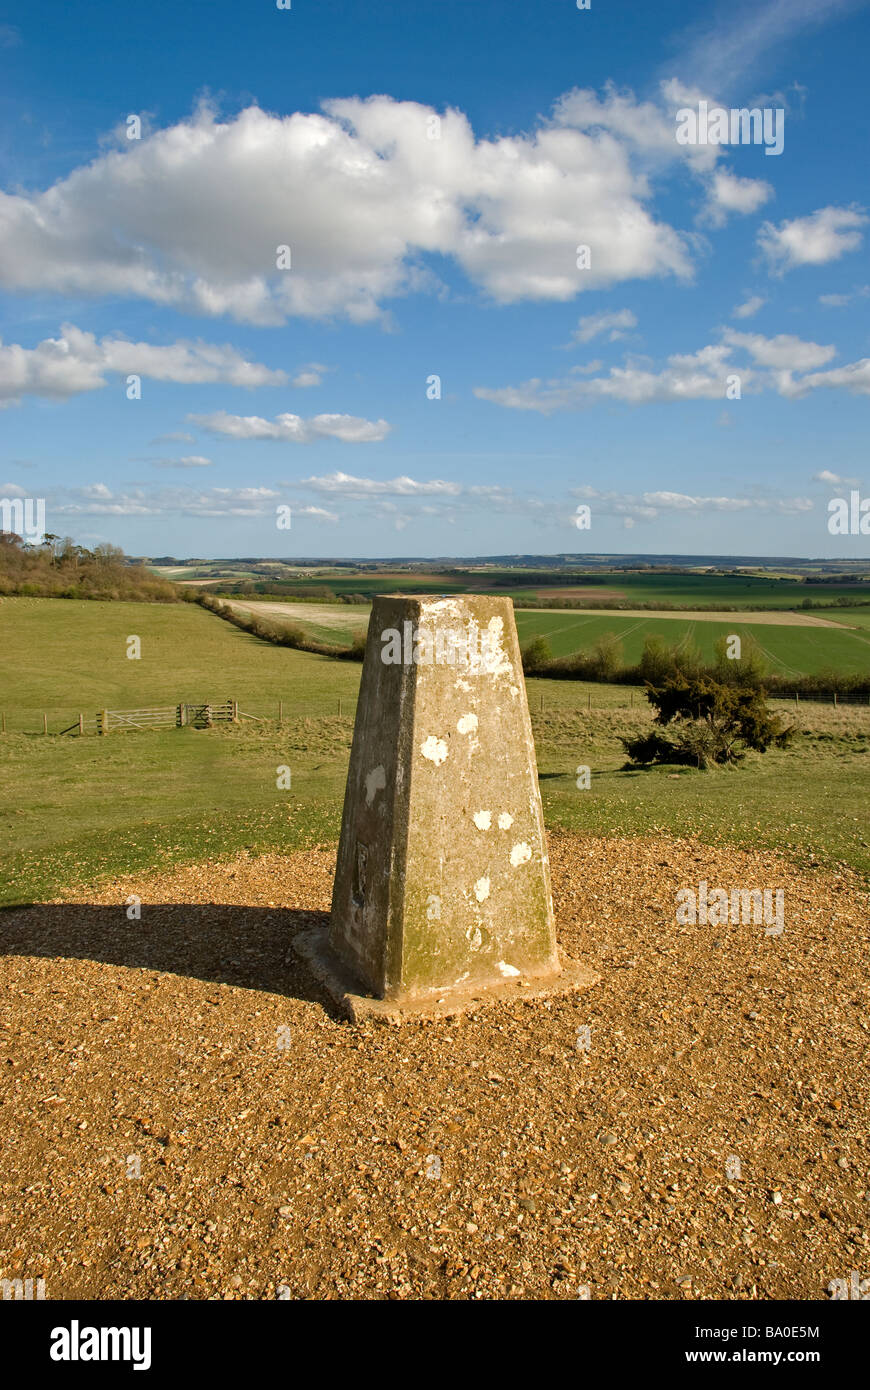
x,y
789,650
76,810
850,617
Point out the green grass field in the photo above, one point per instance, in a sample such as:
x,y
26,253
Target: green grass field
x,y
67,655
80,809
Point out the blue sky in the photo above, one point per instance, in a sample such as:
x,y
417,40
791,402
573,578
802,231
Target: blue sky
x,y
424,247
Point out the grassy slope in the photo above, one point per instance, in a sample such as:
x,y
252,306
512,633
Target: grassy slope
x,y
78,809
67,655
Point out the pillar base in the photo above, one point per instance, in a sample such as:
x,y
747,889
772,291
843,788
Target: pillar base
x,y
312,945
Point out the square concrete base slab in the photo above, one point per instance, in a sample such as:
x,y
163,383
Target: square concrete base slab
x,y
313,947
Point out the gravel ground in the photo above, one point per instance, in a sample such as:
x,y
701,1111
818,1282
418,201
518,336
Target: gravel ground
x,y
284,1153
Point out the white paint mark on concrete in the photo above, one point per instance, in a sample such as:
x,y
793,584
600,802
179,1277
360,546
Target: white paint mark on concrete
x,y
483,819
375,782
435,749
521,853
467,724
505,821
474,937
509,971
498,663
481,890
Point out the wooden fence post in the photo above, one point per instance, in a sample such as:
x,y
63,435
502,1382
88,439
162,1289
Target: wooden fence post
x,y
81,723
339,706
235,704
45,723
103,721
280,710
4,723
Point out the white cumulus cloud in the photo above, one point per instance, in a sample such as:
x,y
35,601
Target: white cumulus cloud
x,y
823,236
350,429
77,361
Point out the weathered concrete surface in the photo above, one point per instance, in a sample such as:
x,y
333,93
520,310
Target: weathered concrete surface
x,y
442,889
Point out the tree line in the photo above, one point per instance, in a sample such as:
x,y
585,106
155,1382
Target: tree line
x,y
58,568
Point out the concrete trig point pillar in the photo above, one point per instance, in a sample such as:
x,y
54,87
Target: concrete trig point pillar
x,y
442,889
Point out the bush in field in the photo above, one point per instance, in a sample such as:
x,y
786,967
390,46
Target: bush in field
x,y
657,660
748,670
647,749
536,654
713,723
357,649
607,658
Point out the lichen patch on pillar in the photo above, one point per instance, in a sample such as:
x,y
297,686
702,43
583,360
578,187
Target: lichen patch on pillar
x,y
435,749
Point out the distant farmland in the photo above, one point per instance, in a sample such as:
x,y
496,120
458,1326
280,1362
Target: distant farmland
x,y
792,643
629,587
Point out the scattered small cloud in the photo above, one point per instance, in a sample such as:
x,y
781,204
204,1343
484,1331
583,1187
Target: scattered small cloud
x,y
350,429
833,479
839,301
614,325
310,375
649,506
58,368
345,485
823,236
191,461
729,193
749,307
